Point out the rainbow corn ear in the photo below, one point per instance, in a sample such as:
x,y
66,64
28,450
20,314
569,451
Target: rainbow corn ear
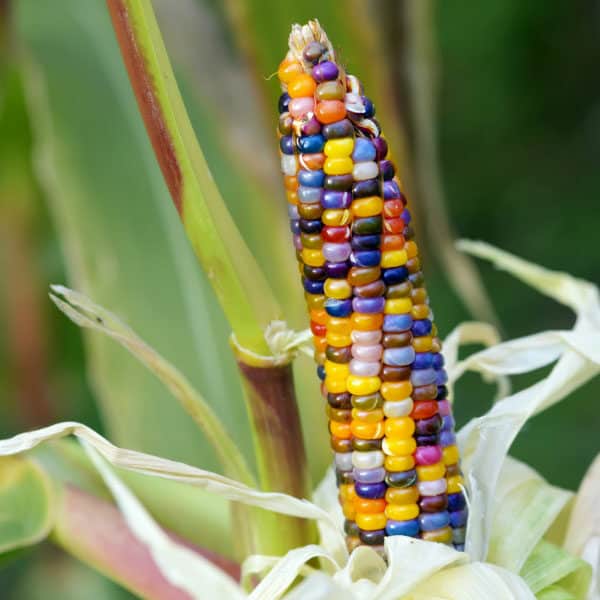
x,y
376,345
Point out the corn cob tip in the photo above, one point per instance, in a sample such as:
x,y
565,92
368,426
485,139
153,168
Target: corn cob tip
x,y
308,40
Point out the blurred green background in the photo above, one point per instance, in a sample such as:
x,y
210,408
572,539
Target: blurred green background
x,y
508,92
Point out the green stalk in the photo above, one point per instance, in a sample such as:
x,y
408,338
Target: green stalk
x,y
241,287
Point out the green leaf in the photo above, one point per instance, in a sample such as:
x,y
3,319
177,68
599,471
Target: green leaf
x,y
240,285
554,592
524,509
26,503
121,236
85,313
548,565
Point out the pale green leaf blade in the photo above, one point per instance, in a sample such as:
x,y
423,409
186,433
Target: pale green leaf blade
x,y
26,503
554,592
548,565
85,313
524,509
121,236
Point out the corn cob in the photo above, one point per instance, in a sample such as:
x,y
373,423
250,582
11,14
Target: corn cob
x,y
376,345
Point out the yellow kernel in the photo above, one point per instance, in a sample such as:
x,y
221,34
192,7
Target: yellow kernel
x,y
339,148
367,207
313,258
338,166
339,325
369,416
362,386
454,484
335,385
399,427
420,311
431,472
337,370
399,463
408,495
349,510
396,306
339,340
337,288
371,521
399,446
451,455
335,218
411,249
396,390
315,301
347,492
393,258
422,344
401,512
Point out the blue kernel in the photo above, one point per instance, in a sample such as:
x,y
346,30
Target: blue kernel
x,y
309,144
395,275
313,179
408,528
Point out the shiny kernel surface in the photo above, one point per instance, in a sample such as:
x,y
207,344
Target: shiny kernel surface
x,y
396,390
362,386
339,148
367,207
394,258
367,431
302,85
399,463
401,512
338,165
450,454
431,472
397,306
408,495
370,521
338,288
399,427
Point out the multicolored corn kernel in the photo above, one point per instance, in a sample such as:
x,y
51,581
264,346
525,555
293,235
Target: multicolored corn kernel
x,y
376,344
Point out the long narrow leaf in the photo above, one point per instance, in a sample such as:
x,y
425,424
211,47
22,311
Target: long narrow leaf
x,y
240,285
85,313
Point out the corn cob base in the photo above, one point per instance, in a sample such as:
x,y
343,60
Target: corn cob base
x,y
376,344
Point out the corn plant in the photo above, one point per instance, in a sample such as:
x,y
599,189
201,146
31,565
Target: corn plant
x,y
245,511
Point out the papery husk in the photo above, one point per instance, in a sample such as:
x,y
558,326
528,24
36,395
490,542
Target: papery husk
x,y
177,471
474,581
485,441
524,509
183,568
